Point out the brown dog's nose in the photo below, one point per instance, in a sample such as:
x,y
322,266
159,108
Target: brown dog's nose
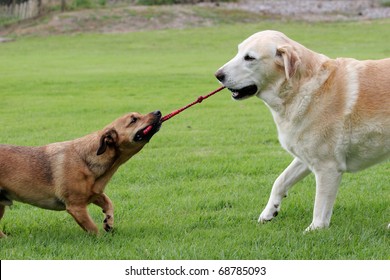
x,y
220,76
157,113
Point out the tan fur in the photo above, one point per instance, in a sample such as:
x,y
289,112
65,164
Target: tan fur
x,y
374,92
332,115
70,175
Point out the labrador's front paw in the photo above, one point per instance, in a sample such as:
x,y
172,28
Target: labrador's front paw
x,y
269,213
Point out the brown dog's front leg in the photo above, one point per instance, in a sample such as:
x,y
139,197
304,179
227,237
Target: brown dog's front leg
x,y
105,203
80,214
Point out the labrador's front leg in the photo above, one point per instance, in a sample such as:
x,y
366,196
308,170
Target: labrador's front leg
x,y
295,172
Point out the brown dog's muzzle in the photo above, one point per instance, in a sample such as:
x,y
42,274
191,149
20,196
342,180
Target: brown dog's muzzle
x,y
155,127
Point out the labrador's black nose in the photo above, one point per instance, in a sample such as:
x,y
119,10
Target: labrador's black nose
x,y
220,76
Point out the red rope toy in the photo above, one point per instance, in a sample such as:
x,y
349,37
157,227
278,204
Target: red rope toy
x,y
174,113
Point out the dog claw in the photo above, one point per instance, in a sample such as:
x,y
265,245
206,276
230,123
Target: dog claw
x,y
107,223
263,220
108,217
108,228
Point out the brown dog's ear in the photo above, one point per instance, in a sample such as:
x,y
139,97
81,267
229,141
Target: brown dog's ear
x,y
287,57
109,138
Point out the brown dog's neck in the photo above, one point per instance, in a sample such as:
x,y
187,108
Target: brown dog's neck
x,y
101,167
98,165
102,164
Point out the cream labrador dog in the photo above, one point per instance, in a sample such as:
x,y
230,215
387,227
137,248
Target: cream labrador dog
x,y
332,115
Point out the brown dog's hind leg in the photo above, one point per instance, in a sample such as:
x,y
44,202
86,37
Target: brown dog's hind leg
x,y
80,214
105,203
2,210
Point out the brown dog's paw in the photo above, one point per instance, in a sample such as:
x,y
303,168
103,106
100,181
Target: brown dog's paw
x,y
108,223
107,228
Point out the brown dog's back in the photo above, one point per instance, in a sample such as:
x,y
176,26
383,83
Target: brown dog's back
x,y
18,165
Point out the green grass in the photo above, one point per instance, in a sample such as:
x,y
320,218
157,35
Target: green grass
x,y
196,190
385,3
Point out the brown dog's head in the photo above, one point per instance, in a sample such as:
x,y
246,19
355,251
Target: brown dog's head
x,y
125,134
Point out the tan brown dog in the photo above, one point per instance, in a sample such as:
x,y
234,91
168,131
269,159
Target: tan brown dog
x,y
70,175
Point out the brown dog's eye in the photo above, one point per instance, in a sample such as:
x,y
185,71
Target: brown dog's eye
x,y
133,120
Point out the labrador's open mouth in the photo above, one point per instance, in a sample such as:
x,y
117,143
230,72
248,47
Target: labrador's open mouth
x,y
243,92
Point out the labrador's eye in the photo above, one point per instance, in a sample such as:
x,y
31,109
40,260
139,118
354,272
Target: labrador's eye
x,y
133,120
249,58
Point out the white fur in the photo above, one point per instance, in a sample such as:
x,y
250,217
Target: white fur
x,y
352,91
333,116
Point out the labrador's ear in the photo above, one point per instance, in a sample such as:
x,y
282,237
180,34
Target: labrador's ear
x,y
108,139
288,58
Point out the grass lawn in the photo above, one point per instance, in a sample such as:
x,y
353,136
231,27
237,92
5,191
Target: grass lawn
x,y
196,190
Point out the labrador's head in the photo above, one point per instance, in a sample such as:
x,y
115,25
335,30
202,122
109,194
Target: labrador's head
x,y
126,134
263,61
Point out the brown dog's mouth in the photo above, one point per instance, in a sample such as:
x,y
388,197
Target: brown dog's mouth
x,y
146,133
140,136
244,92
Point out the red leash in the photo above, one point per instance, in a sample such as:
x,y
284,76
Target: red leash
x,y
178,111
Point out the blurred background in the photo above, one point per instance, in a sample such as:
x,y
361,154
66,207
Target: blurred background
x,y
18,17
